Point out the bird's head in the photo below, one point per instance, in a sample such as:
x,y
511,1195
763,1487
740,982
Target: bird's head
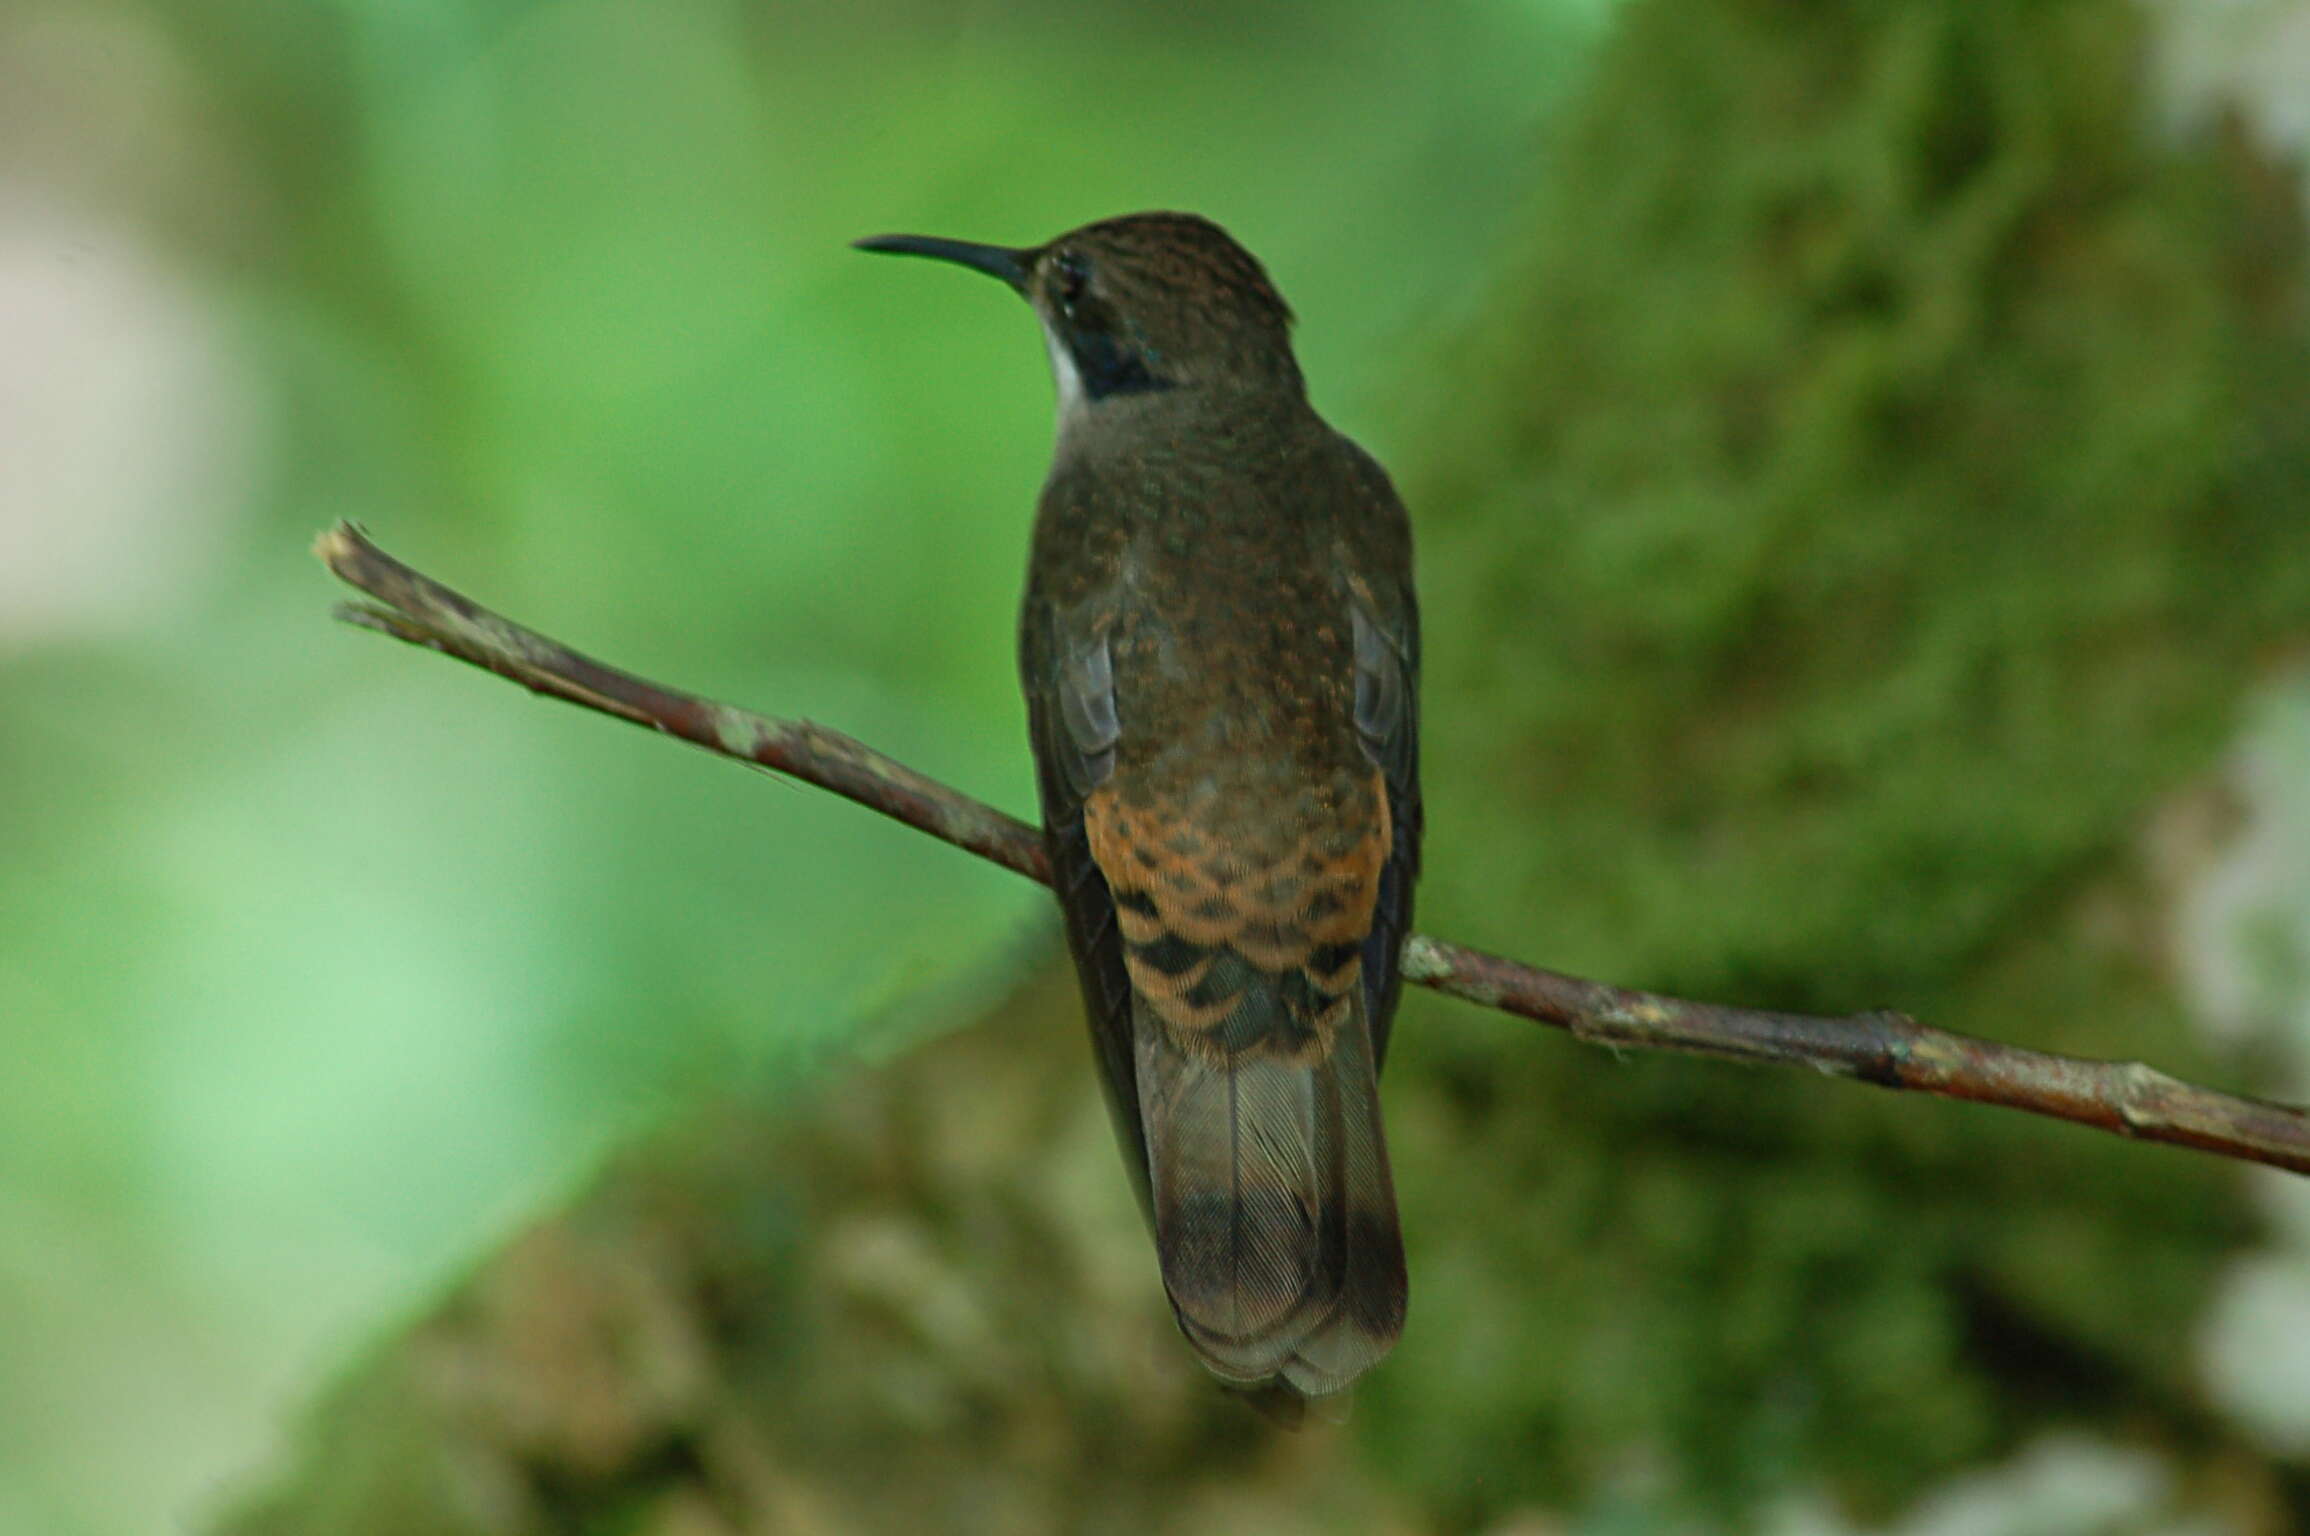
x,y
1143,303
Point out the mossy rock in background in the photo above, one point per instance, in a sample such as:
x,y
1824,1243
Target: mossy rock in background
x,y
1866,499
1862,497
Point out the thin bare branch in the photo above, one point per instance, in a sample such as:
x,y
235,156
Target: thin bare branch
x,y
423,612
1888,1049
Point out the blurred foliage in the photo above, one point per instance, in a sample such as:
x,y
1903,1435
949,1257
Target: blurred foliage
x,y
1866,501
322,965
1856,495
897,1307
1852,520
1872,489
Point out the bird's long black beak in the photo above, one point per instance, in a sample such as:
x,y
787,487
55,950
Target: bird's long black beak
x,y
994,260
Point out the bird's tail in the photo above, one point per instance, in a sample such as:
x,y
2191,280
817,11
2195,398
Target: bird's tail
x,y
1274,1212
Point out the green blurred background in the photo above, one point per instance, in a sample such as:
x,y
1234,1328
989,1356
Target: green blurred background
x,y
1860,457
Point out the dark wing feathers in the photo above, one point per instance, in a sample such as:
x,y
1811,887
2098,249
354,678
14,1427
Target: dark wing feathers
x,y
1388,720
1086,689
1064,772
1239,999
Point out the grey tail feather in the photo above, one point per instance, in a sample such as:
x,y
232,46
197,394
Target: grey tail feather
x,y
1275,1215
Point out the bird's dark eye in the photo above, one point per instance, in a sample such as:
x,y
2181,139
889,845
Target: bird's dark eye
x,y
1070,280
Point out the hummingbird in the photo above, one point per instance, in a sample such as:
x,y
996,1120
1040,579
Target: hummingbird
x,y
1219,647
